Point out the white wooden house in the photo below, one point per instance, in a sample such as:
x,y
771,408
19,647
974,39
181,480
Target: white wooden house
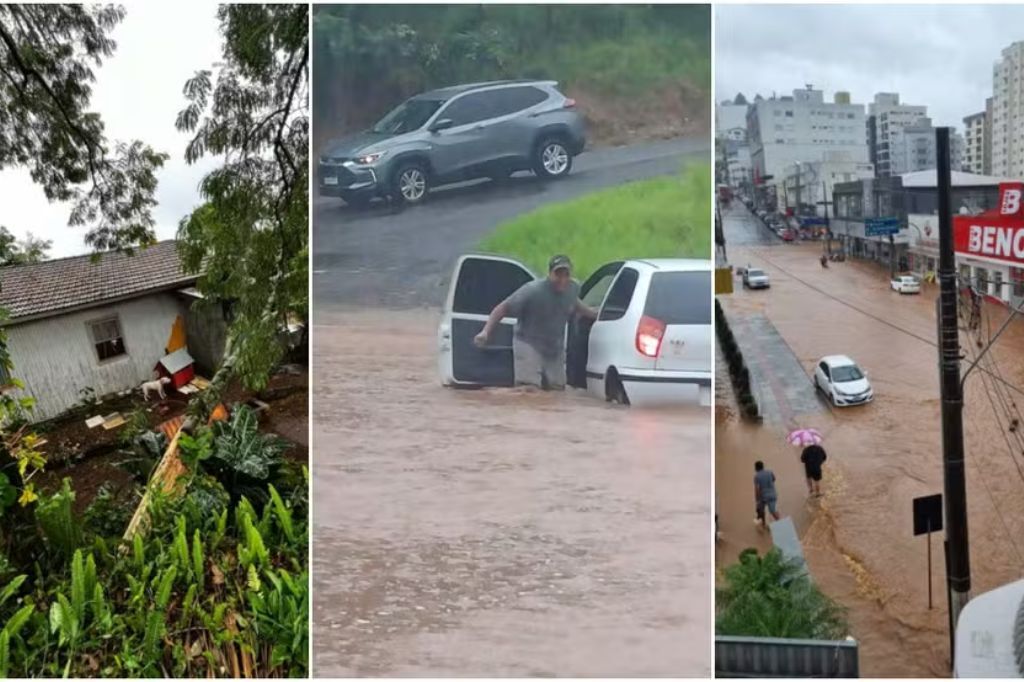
x,y
84,325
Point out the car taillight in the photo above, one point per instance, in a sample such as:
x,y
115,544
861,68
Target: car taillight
x,y
649,334
569,103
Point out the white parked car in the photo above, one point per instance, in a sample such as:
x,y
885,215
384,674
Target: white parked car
x,y
906,284
839,378
651,344
755,278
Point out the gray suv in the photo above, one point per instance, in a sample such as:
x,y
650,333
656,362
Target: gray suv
x,y
463,132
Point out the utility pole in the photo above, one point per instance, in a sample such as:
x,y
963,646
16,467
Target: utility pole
x,y
958,566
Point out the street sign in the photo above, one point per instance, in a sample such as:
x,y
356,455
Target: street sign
x,y
881,227
811,221
927,520
927,514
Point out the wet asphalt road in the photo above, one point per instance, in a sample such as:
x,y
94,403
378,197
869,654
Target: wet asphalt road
x,y
398,259
743,228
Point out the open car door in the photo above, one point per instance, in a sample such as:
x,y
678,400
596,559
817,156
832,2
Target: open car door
x,y
577,351
478,284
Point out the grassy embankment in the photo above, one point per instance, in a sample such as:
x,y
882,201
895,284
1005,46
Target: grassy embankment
x,y
660,217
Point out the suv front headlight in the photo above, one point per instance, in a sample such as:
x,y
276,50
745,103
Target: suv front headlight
x,y
367,159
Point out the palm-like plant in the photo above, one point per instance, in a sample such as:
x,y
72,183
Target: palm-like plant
x,y
770,596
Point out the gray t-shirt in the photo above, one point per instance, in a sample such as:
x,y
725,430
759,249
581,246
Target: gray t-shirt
x,y
541,313
766,479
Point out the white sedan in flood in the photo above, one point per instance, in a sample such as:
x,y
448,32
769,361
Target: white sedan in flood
x,y
651,343
842,381
906,284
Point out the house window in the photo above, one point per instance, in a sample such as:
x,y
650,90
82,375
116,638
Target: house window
x,y
106,336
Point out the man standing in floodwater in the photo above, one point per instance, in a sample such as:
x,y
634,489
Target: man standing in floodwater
x,y
813,457
541,308
764,493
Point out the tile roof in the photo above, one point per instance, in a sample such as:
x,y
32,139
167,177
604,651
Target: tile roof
x,y
49,287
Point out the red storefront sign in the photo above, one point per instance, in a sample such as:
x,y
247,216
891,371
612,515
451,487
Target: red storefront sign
x,y
996,235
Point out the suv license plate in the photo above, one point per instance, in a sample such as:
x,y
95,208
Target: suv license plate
x,y
330,180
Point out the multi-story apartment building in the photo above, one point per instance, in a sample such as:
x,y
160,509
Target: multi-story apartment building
x,y
912,148
978,141
886,117
1008,113
803,128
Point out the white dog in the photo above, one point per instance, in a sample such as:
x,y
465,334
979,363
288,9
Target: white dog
x,y
155,386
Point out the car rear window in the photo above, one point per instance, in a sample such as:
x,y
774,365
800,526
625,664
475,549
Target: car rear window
x,y
485,283
680,297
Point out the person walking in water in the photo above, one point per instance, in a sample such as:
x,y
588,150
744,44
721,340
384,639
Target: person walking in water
x,y
813,457
541,308
764,494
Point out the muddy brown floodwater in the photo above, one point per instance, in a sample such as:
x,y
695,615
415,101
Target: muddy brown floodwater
x,y
858,538
495,533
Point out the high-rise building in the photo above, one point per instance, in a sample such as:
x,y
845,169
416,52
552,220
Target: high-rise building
x,y
803,128
1008,113
978,141
912,148
886,117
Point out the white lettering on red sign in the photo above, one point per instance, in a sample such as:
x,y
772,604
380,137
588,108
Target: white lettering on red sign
x,y
1006,242
1011,201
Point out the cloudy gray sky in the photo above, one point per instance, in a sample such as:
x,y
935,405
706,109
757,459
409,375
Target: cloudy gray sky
x,y
138,93
937,55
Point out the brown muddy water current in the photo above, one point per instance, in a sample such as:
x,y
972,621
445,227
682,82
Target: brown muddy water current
x,y
858,538
496,533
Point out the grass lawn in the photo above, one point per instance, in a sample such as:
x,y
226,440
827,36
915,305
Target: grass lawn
x,y
668,217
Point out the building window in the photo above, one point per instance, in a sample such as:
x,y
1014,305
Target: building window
x,y
1017,276
107,338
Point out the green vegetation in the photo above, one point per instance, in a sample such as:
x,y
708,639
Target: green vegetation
x,y
368,58
770,597
216,587
659,218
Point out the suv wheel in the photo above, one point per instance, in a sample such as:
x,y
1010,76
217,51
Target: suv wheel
x,y
411,183
552,158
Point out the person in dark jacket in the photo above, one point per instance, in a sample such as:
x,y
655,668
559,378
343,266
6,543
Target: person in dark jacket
x,y
813,457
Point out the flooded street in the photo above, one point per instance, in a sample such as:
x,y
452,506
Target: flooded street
x,y
858,538
495,532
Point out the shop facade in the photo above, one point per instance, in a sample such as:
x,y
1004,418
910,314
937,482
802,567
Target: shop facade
x,y
990,247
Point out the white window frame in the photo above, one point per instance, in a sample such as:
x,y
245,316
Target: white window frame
x,y
91,328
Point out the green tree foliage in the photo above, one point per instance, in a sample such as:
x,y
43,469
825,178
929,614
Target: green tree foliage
x,y
768,596
47,56
369,57
250,238
18,252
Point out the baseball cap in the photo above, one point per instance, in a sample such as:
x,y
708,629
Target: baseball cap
x,y
559,261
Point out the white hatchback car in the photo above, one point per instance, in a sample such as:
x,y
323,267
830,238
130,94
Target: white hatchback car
x,y
651,343
905,284
845,383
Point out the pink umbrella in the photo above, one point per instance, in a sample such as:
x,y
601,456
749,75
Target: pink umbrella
x,y
804,437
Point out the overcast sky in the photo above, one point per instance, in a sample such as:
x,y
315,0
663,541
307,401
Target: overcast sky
x,y
138,93
937,55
